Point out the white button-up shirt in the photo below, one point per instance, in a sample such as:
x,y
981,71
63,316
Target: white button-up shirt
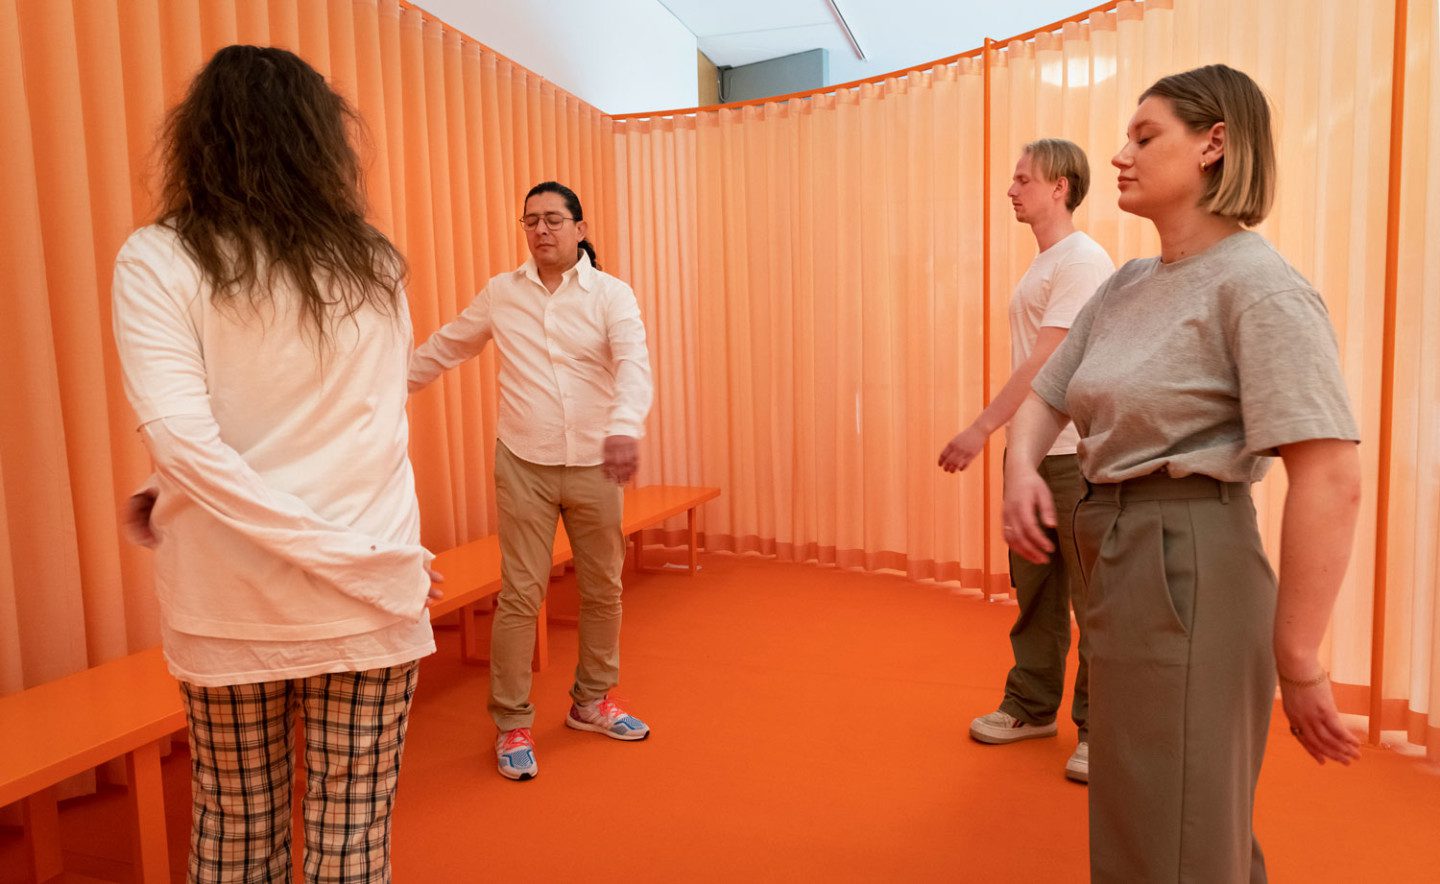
x,y
573,364
287,525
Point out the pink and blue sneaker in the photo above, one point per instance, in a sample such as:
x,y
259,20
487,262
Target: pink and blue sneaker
x,y
515,754
604,717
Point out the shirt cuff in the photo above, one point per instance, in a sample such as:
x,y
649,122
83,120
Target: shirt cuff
x,y
626,428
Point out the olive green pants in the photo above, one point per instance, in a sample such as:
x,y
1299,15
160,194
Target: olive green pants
x,y
1182,678
1040,637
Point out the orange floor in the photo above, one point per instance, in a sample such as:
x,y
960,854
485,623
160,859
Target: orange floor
x,y
809,725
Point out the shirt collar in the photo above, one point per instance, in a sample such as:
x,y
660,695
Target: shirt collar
x,y
583,273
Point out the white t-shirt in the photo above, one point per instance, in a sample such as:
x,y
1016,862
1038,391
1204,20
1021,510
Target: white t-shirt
x,y
287,524
1057,284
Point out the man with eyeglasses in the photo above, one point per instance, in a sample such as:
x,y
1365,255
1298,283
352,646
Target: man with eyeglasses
x,y
575,389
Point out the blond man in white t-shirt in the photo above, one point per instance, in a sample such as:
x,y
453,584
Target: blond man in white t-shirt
x,y
1049,183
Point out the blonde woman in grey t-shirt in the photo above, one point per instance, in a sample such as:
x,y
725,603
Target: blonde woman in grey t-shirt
x,y
1186,375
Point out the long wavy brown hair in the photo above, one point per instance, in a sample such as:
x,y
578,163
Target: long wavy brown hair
x,y
261,183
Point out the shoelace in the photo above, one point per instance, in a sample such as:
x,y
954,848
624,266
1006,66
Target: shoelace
x,y
605,708
519,738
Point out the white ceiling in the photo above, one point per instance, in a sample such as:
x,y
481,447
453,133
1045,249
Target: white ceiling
x,y
894,34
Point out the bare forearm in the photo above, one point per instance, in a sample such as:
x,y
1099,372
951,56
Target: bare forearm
x,y
1032,433
1321,508
1007,402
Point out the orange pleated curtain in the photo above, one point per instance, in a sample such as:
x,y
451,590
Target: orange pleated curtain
x,y
812,274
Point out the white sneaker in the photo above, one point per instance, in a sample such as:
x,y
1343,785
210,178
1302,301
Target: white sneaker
x,y
1002,727
1078,767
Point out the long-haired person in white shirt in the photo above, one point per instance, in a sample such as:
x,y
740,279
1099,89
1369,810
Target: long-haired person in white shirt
x,y
574,392
264,335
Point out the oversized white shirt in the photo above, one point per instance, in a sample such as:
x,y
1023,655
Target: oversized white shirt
x,y
1059,282
287,523
573,365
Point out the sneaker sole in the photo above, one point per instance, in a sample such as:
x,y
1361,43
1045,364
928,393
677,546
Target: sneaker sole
x,y
597,729
1013,735
517,777
1077,775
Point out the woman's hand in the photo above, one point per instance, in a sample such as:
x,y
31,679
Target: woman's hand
x,y
435,595
1029,510
135,524
1321,508
1315,722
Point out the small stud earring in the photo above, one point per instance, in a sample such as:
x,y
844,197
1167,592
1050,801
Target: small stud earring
x,y
1202,165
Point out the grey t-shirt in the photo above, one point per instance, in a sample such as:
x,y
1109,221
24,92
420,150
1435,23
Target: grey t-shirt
x,y
1204,365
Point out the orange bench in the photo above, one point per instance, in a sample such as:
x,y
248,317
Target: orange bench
x,y
472,570
125,707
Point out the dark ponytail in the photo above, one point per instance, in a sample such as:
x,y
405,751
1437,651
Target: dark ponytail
x,y
589,249
572,203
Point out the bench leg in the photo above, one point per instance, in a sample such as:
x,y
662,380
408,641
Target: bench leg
x,y
639,548
475,645
147,796
694,551
470,637
41,819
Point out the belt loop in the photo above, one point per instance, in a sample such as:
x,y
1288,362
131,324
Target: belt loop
x,y
1224,492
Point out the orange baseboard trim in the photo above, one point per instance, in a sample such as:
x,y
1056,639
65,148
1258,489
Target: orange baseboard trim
x,y
784,551
1395,715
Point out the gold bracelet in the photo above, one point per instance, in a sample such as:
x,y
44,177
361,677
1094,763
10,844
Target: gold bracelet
x,y
1319,679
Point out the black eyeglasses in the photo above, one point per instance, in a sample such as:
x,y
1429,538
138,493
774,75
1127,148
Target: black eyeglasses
x,y
553,220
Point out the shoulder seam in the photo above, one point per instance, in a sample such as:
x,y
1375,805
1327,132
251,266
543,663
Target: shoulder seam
x,y
1286,291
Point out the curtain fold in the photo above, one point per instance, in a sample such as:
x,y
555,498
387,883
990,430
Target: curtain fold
x,y
811,273
831,236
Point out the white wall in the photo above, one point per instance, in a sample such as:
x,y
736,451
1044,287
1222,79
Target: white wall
x,y
623,56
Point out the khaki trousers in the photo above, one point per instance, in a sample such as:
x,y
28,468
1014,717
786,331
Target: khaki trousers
x,y
1182,678
531,498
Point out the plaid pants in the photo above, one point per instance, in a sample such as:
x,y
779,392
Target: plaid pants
x,y
242,765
